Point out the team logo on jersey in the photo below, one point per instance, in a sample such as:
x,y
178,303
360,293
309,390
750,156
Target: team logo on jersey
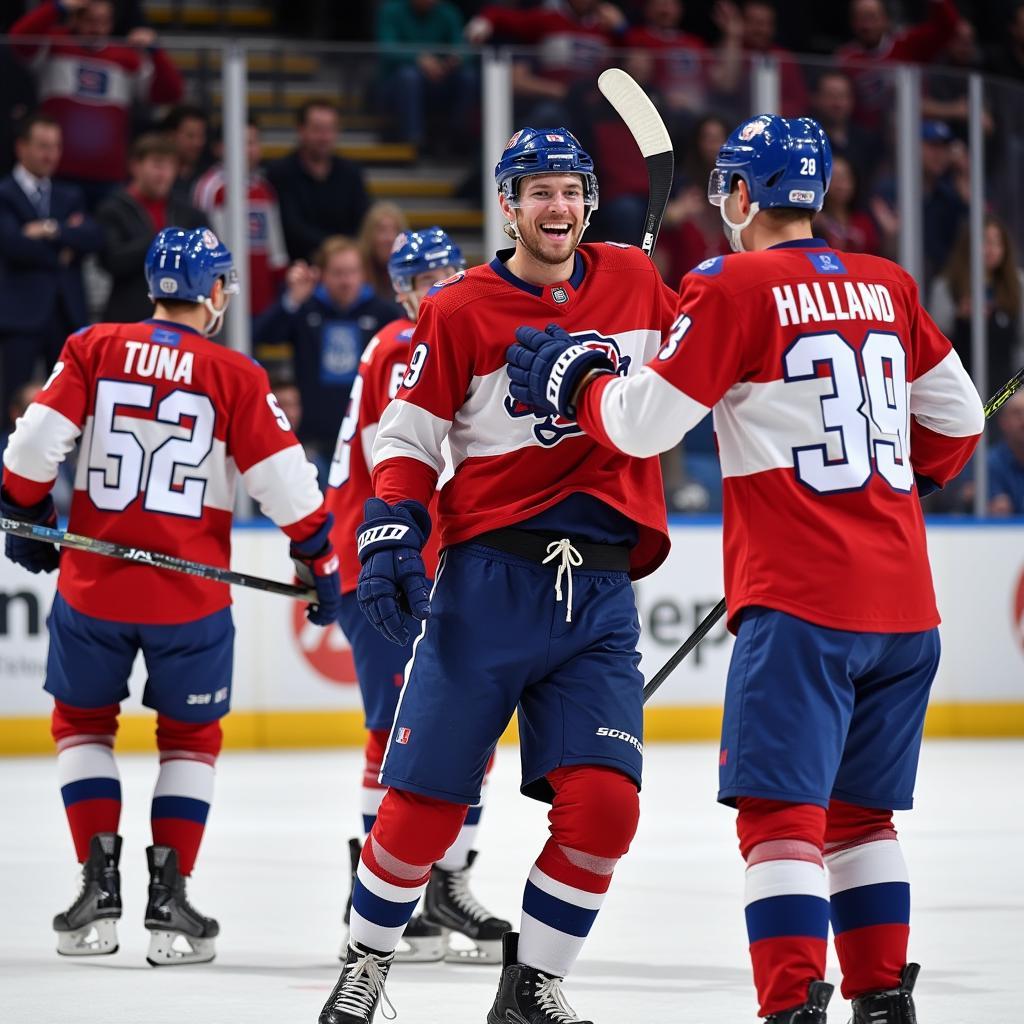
x,y
93,81
711,266
826,263
559,295
551,428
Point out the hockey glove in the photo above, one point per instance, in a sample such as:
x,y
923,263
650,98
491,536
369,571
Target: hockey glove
x,y
393,582
316,565
34,555
545,368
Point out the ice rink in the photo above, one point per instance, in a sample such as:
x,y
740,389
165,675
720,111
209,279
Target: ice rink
x,y
669,945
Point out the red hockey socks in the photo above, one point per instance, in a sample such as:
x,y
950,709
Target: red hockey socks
x,y
593,819
410,834
184,787
787,906
89,783
870,897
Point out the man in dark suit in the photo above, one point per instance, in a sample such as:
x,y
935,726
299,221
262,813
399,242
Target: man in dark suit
x,y
44,232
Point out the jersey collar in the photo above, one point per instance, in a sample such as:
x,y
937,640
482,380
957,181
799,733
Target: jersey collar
x,y
802,243
558,293
173,325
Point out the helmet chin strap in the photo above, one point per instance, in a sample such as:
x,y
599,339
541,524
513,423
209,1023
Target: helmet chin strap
x,y
216,321
734,231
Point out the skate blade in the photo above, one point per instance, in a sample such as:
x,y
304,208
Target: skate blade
x,y
425,950
485,951
96,939
169,949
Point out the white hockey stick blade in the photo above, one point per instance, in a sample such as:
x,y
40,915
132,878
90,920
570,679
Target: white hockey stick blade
x,y
635,108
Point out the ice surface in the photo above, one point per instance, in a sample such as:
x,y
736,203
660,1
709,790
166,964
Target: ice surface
x,y
669,945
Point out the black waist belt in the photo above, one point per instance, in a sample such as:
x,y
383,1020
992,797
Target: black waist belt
x,y
534,546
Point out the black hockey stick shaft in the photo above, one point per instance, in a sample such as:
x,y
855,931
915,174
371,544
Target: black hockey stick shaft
x,y
992,406
51,535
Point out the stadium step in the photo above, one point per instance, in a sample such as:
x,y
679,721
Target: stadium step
x,y
227,14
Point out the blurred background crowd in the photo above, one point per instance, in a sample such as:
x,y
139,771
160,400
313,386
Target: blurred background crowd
x,y
364,121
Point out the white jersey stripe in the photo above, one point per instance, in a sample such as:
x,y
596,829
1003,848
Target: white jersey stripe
x,y
40,443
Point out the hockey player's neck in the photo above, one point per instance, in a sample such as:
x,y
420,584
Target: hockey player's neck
x,y
194,319
528,268
764,236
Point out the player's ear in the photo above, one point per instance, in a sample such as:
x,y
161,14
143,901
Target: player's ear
x,y
217,293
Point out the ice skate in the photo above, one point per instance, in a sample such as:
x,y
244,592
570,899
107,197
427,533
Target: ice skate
x,y
89,926
526,995
812,1012
179,934
895,1006
360,989
449,904
421,943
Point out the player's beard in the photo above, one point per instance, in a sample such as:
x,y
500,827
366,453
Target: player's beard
x,y
539,246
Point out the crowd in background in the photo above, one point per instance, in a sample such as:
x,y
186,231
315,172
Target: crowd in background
x,y
103,148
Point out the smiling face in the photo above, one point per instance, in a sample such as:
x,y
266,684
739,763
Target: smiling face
x,y
550,216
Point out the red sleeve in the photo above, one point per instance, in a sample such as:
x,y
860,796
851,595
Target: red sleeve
x,y
167,85
40,22
925,41
526,26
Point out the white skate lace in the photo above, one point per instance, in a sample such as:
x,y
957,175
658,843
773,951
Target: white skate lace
x,y
552,1001
570,559
458,889
362,984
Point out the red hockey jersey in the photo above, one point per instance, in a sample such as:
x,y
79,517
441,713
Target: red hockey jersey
x,y
831,389
381,369
168,420
509,462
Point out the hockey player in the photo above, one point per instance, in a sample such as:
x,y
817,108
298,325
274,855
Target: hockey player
x,y
541,530
418,261
167,420
837,401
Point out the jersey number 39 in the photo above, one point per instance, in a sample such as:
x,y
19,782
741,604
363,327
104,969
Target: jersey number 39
x,y
865,420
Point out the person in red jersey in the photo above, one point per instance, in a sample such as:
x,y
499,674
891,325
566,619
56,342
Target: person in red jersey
x,y
541,531
166,421
837,403
419,260
89,86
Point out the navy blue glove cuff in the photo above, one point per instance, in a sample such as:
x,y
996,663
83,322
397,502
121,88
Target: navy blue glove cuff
x,y
41,512
316,542
404,525
569,369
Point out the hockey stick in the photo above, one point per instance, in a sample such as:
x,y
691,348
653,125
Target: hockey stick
x,y
644,122
50,535
992,406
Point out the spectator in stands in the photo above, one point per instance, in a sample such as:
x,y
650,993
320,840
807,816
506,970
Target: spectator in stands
x,y
1006,462
950,301
750,31
17,101
841,222
383,223
328,314
875,45
132,216
832,105
1007,56
268,258
89,87
574,39
44,232
426,89
321,194
189,129
945,89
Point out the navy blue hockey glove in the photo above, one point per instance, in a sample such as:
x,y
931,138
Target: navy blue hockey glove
x,y
34,555
545,368
393,581
316,565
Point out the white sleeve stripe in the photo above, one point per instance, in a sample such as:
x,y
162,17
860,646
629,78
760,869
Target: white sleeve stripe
x,y
945,400
41,441
284,485
366,438
644,414
411,432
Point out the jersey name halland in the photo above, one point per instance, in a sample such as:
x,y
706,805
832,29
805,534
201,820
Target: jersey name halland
x,y
829,301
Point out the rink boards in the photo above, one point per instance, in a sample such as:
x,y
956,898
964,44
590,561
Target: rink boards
x,y
295,685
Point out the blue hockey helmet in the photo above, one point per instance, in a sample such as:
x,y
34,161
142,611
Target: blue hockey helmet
x,y
182,266
544,151
416,252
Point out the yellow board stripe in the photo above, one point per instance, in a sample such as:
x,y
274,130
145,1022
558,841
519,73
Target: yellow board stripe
x,y
279,730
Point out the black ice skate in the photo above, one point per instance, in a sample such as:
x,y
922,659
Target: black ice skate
x,y
896,1006
422,943
179,934
812,1012
360,989
449,904
526,995
89,926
